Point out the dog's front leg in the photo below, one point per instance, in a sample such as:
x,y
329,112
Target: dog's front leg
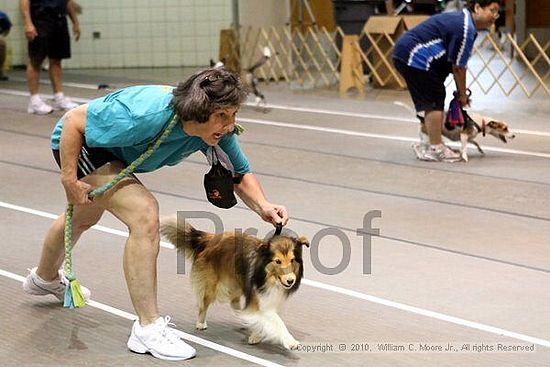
x,y
255,338
478,147
281,332
464,147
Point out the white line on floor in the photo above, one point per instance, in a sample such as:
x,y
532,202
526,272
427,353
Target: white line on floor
x,y
54,216
406,106
19,93
337,113
428,313
530,132
380,136
189,337
252,104
65,84
302,109
351,293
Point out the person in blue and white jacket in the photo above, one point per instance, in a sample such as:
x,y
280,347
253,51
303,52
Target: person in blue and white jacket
x,y
428,53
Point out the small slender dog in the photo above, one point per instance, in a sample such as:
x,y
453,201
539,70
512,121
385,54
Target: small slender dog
x,y
229,266
250,76
469,131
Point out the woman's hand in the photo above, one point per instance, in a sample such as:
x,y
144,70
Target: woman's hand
x,y
465,100
77,191
274,213
250,191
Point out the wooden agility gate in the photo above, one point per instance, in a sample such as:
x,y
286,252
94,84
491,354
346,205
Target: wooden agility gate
x,y
317,58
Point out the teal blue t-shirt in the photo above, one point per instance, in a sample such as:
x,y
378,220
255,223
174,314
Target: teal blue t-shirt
x,y
127,121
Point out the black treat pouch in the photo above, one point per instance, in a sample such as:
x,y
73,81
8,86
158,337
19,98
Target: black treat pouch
x,y
218,184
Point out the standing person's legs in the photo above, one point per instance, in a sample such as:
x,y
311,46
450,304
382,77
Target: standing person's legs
x,y
3,52
33,76
37,53
59,47
60,101
56,75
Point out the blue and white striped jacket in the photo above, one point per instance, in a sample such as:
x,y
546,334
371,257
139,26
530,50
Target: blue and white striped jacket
x,y
438,42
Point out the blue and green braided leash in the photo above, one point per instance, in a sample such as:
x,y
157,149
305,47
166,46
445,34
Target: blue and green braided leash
x,y
73,293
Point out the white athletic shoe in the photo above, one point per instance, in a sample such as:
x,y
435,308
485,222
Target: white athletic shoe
x,y
37,286
435,153
39,107
63,103
160,340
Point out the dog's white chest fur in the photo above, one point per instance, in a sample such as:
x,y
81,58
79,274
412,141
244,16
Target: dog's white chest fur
x,y
272,298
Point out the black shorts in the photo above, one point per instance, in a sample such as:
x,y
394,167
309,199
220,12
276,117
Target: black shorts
x,y
53,41
89,159
427,88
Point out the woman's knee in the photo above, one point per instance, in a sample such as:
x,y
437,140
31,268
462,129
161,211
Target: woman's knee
x,y
145,221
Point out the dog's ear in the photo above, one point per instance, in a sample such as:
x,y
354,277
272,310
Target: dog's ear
x,y
302,241
264,250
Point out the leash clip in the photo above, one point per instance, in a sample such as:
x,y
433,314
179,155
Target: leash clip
x,y
278,229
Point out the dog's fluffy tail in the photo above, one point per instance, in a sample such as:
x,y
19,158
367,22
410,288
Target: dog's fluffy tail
x,y
181,234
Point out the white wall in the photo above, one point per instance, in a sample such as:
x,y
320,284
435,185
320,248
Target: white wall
x,y
263,13
137,32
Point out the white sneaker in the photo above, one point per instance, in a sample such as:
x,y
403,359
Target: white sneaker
x,y
63,103
160,340
37,286
39,107
436,153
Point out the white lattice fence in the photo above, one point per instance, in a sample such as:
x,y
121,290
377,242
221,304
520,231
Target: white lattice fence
x,y
309,58
312,59
504,65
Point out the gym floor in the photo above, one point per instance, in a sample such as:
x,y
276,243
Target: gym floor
x,y
459,273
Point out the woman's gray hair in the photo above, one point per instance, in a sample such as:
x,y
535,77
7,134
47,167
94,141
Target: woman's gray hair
x,y
206,91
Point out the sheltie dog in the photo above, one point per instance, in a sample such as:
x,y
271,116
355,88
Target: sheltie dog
x,y
229,266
